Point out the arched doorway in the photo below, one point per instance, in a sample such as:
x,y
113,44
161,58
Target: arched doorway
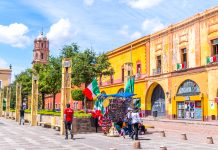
x,y
158,101
121,90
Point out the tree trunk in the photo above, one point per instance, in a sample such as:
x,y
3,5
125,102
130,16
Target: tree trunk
x,y
43,100
54,102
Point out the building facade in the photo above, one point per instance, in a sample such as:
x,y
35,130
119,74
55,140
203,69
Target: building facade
x,y
179,69
5,77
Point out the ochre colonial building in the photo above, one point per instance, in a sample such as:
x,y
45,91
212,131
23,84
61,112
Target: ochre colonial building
x,y
176,69
5,77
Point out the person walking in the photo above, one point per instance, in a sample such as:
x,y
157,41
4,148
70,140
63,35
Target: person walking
x,y
22,116
68,119
135,122
129,121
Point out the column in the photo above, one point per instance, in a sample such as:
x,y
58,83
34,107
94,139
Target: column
x,y
34,101
8,99
65,89
1,102
18,102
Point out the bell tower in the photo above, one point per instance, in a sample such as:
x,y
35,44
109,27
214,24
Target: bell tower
x,y
41,49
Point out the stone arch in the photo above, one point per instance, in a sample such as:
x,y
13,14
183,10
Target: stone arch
x,y
155,99
121,90
188,88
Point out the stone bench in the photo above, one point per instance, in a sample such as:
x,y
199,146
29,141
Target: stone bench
x,y
44,124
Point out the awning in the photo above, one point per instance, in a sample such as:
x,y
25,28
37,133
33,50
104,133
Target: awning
x,y
216,100
125,95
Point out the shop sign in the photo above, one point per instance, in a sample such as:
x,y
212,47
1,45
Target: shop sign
x,y
188,88
187,98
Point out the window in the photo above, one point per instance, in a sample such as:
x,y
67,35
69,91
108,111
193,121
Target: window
x,y
111,78
159,62
0,84
122,74
41,45
184,55
138,68
215,47
41,55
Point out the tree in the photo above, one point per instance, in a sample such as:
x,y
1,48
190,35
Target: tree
x,y
52,77
77,95
69,51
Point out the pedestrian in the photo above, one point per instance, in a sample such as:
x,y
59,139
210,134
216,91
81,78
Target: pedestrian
x,y
129,121
135,122
68,119
22,116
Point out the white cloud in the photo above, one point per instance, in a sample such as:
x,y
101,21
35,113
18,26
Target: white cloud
x,y
136,35
3,63
142,4
88,2
14,35
152,25
126,33
60,33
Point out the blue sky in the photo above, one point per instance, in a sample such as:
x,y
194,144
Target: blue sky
x,y
101,24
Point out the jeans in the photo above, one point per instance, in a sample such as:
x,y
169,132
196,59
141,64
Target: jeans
x,y
129,128
68,127
136,131
22,120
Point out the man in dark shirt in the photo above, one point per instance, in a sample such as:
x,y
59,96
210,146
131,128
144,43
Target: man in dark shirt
x,y
22,116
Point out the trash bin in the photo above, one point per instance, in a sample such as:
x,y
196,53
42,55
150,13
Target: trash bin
x,y
154,113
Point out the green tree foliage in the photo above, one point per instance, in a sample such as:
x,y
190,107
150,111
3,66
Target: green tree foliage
x,y
69,51
77,95
52,77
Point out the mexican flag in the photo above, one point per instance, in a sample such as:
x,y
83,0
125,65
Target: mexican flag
x,y
211,59
92,90
180,66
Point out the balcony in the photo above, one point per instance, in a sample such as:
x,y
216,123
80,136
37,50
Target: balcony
x,y
212,59
156,71
181,66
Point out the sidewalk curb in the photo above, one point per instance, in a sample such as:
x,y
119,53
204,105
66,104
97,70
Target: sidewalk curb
x,y
183,122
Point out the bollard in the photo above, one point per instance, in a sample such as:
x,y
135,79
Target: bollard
x,y
163,134
112,149
136,145
210,140
163,148
184,137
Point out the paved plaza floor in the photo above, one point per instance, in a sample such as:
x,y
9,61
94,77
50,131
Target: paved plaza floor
x,y
15,137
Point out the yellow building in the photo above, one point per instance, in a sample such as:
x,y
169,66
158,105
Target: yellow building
x,y
179,69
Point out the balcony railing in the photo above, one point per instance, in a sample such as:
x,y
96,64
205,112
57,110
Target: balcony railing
x,y
212,59
156,71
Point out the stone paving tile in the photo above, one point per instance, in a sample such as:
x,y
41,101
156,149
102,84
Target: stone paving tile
x,y
15,137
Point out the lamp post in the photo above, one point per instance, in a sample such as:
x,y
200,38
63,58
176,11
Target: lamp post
x,y
8,99
65,88
18,102
34,100
1,102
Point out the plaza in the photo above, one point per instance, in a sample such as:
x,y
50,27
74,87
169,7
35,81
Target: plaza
x,y
16,137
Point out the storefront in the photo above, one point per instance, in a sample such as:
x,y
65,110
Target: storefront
x,y
188,101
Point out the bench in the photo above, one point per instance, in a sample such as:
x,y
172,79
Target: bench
x,y
148,126
44,124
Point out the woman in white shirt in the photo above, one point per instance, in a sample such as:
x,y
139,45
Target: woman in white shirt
x,y
135,122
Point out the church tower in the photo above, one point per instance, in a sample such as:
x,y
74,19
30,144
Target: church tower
x,y
41,49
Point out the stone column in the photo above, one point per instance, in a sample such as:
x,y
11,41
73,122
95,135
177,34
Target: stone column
x,y
65,89
1,102
18,102
34,101
8,99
